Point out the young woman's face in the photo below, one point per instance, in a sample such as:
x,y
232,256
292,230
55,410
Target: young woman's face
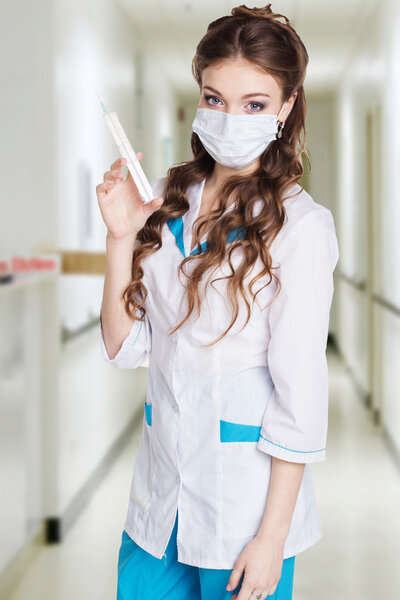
x,y
238,86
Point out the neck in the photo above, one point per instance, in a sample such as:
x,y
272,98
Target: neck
x,y
220,173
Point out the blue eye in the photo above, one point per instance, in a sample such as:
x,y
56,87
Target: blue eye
x,y
209,97
257,104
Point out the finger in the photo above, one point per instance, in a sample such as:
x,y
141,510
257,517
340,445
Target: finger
x,y
156,203
244,592
272,589
260,594
123,161
113,176
234,577
119,162
102,189
117,165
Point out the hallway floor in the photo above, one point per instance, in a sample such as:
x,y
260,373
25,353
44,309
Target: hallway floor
x,y
358,494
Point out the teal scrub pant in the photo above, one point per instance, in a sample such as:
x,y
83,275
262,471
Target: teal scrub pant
x,y
142,576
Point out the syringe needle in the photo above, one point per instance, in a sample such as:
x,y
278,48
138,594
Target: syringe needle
x,y
97,93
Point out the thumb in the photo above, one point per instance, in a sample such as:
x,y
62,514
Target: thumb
x,y
235,577
156,203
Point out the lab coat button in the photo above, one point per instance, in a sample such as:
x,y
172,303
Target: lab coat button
x,y
178,478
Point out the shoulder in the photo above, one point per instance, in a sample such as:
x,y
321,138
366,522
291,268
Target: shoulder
x,y
308,230
304,218
302,211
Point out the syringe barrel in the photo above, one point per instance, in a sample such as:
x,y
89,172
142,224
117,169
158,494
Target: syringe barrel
x,y
138,174
127,151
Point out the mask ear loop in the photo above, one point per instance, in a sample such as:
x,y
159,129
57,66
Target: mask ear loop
x,y
281,123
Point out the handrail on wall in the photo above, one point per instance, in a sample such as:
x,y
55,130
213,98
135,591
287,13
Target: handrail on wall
x,y
81,262
68,334
361,285
74,262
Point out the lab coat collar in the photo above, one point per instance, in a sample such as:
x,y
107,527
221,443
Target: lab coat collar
x,y
182,227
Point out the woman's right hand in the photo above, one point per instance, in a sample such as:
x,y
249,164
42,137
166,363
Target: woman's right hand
x,y
120,203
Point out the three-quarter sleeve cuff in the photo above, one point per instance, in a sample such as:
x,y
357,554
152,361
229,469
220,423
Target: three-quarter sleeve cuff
x,y
128,342
285,453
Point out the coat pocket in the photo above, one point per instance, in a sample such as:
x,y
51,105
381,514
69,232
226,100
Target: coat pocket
x,y
147,412
238,432
245,480
142,480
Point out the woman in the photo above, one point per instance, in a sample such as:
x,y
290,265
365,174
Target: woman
x,y
227,276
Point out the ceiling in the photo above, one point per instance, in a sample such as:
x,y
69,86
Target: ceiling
x,y
171,30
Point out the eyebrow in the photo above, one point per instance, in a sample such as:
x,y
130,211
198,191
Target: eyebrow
x,y
245,96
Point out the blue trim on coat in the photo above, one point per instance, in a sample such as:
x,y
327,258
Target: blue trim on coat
x,y
147,413
137,335
176,226
238,432
284,447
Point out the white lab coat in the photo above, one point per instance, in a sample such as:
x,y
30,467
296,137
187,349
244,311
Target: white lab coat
x,y
214,417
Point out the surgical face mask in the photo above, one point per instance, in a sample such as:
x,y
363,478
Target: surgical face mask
x,y
235,140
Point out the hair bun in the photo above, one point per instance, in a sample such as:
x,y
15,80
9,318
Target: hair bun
x,y
264,12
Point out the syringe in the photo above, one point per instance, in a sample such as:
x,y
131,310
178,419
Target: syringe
x,y
126,150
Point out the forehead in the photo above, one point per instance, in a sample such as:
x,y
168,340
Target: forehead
x,y
239,76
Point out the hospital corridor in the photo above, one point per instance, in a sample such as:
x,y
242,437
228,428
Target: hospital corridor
x,y
71,422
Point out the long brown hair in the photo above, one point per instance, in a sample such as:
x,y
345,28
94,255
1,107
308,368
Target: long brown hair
x,y
257,35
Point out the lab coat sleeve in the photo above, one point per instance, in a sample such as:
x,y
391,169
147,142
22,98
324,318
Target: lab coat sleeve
x,y
295,420
135,347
